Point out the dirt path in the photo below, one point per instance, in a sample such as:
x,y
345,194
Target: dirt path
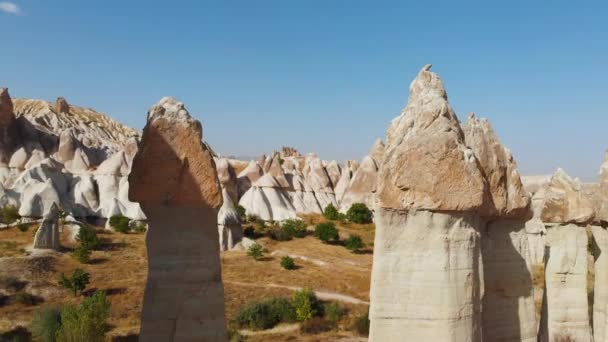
x,y
279,329
320,294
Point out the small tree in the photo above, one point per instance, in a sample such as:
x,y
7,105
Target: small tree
x,y
354,243
23,227
359,213
361,324
46,324
288,263
306,304
327,232
331,213
87,236
255,251
76,283
242,212
333,312
10,214
82,254
120,223
86,322
294,227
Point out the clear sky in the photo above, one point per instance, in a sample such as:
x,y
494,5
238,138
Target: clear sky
x,y
324,76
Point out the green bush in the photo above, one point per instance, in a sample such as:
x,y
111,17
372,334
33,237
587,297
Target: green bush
x,y
120,223
139,228
10,214
279,234
361,324
333,312
46,324
255,251
87,236
359,213
25,298
327,232
354,243
288,263
76,283
242,212
86,322
23,227
306,304
82,254
266,314
294,227
331,213
316,325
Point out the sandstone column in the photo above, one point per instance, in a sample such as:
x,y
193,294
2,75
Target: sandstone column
x,y
8,129
569,210
426,279
600,290
175,180
47,235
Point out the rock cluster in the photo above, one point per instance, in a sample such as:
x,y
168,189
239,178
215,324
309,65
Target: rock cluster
x,y
174,178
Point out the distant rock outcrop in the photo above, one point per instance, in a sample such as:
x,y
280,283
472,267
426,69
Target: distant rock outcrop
x,y
362,187
229,224
174,178
47,236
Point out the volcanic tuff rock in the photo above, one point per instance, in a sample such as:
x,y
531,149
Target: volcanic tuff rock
x,y
423,169
362,187
175,180
602,213
8,137
267,200
47,236
509,199
426,277
600,289
229,224
566,311
562,200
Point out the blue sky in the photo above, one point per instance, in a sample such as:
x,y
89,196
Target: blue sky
x,y
324,76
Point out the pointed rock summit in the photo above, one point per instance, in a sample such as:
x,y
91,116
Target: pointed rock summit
x,y
509,198
62,105
8,130
427,164
563,200
174,178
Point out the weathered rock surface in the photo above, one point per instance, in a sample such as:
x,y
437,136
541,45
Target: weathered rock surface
x,y
175,180
427,272
508,197
562,200
600,288
317,178
508,301
228,224
602,212
566,311
8,136
423,169
362,187
47,236
267,200
426,277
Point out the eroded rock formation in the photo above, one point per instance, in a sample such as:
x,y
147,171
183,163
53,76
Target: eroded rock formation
x,y
175,180
47,235
427,271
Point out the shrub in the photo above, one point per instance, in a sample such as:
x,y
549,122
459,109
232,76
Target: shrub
x,y
306,304
140,227
316,325
87,236
361,324
266,314
256,251
46,324
10,214
354,243
288,263
294,227
235,336
76,283
327,232
333,312
359,213
242,212
23,227
331,213
279,234
25,298
82,254
120,223
11,284
249,232
86,322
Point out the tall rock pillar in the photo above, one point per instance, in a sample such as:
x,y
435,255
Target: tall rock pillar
x,y
174,179
8,129
427,273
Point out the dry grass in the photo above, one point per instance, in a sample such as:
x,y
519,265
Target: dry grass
x,y
120,267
